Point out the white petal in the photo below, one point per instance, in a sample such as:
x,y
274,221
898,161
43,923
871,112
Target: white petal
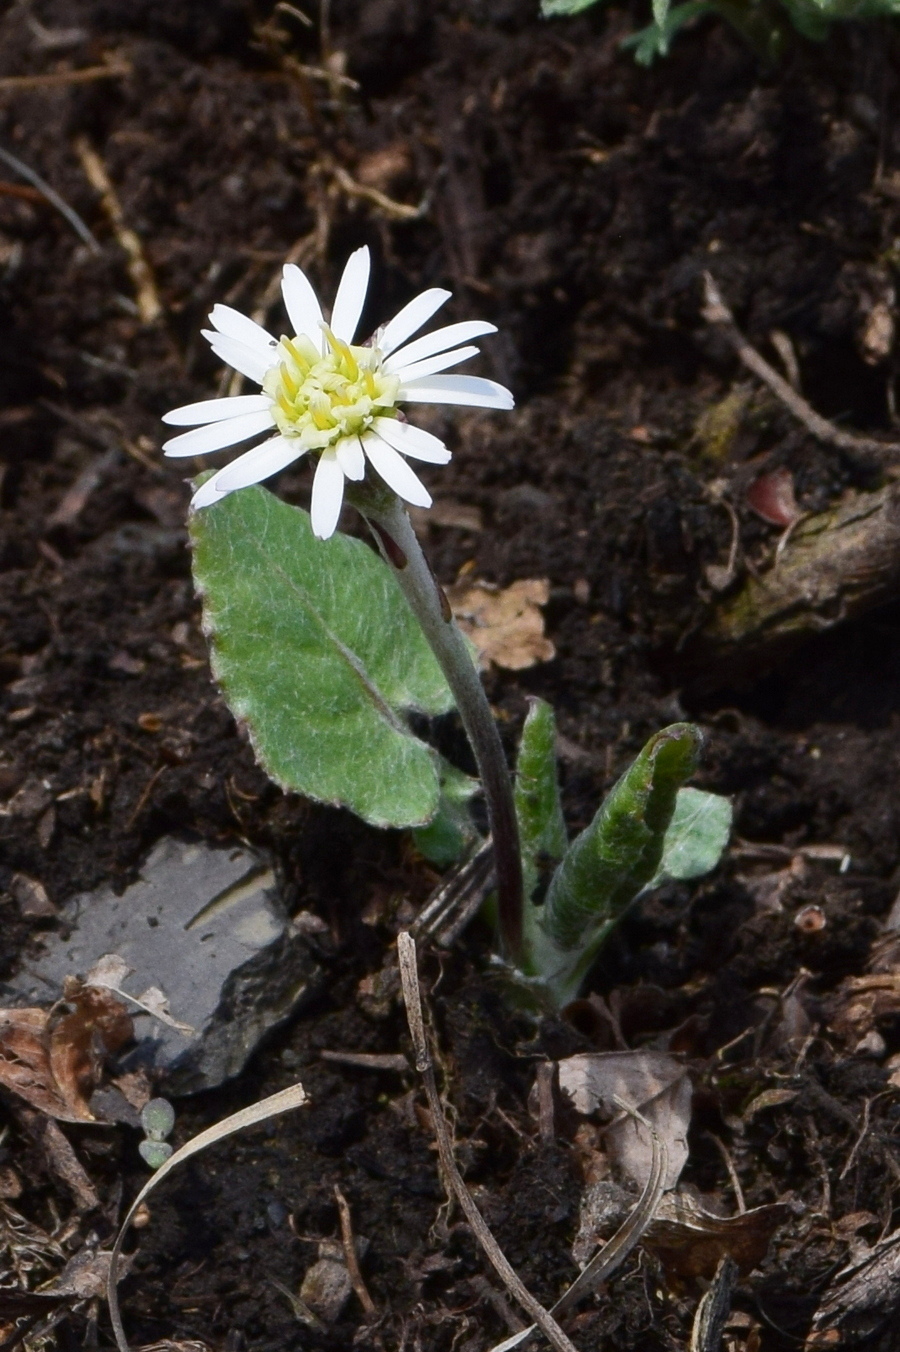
x,y
351,295
395,471
250,362
411,318
441,361
215,436
439,341
470,390
409,440
235,325
254,466
215,410
207,493
350,457
301,303
327,495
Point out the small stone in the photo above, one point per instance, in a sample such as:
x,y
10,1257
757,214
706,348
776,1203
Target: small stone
x,y
326,1289
203,925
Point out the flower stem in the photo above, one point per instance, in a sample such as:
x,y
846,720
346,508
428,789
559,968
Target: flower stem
x,y
403,554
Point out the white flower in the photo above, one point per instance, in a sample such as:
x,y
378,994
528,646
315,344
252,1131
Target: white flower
x,y
322,393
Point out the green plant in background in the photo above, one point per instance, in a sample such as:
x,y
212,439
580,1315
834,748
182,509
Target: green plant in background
x,y
323,649
764,24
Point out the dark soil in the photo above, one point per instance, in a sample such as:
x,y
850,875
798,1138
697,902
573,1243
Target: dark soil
x,y
575,200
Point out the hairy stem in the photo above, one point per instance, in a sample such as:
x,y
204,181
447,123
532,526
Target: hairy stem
x,y
401,550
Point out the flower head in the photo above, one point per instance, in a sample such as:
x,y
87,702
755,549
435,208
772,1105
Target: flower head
x,y
324,394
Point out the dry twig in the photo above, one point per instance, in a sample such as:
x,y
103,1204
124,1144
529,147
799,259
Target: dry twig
x,y
148,302
614,1252
409,976
457,898
395,211
351,1258
715,311
54,79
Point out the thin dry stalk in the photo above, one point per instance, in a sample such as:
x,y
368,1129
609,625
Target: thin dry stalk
x,y
55,79
395,211
715,311
53,197
732,1172
284,1101
146,295
614,1252
351,1258
409,976
457,898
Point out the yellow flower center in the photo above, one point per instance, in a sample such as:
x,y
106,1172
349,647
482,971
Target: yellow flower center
x,y
320,400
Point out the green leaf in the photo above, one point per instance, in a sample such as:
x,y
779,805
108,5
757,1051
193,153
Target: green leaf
x,y
451,833
317,651
552,9
660,12
542,829
655,39
606,867
697,835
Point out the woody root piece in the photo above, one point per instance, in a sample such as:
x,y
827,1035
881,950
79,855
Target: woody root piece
x,y
835,566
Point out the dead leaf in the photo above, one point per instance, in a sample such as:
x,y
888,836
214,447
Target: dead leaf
x,y
651,1082
771,496
110,971
769,1098
691,1241
155,1002
61,1158
861,1003
860,1300
86,1274
506,626
53,1060
10,1183
31,896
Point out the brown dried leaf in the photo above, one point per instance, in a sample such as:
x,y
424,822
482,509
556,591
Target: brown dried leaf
x,y
86,1274
506,626
98,1023
860,1003
25,1064
769,1098
861,1299
31,896
53,1061
691,1241
654,1084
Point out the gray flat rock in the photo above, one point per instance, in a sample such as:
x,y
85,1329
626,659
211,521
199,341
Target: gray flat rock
x,y
205,926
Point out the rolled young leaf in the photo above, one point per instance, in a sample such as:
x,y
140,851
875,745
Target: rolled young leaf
x,y
542,829
608,864
317,651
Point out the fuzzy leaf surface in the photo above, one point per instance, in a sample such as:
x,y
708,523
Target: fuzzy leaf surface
x,y
451,833
542,829
608,864
317,651
554,9
697,835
